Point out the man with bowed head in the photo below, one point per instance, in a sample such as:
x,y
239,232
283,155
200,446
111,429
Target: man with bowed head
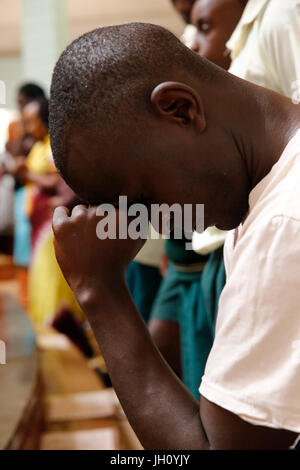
x,y
136,113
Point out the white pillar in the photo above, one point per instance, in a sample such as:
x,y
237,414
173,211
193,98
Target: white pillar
x,y
44,36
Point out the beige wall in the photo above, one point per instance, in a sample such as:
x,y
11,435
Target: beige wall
x,y
10,16
11,74
88,14
107,12
44,37
83,15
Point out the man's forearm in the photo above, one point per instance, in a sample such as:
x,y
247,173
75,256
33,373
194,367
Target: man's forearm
x,y
160,409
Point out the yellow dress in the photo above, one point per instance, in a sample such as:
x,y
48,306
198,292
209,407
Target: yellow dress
x,y
48,291
39,161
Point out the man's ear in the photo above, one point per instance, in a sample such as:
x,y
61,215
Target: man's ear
x,y
179,103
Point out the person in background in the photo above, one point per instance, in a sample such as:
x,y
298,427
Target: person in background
x,y
37,171
255,48
215,21
184,314
265,46
184,8
48,292
19,142
25,167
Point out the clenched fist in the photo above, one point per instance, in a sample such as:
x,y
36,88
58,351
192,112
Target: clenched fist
x,y
89,264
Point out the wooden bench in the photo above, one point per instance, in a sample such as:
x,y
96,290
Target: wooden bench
x,y
80,413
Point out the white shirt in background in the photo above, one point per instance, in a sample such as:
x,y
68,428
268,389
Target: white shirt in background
x,y
265,46
265,49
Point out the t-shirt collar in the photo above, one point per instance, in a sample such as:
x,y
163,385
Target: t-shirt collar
x,y
251,12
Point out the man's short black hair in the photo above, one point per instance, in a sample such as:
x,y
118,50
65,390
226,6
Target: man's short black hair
x,y
31,91
103,81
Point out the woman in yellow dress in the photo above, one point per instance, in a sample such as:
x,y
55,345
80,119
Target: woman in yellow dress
x,y
48,292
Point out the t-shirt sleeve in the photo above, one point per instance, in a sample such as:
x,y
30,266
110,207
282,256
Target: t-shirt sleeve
x,y
253,369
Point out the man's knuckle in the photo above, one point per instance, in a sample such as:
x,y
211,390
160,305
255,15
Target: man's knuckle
x,y
59,227
78,217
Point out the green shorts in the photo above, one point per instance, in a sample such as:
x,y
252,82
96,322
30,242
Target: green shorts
x,y
191,300
143,283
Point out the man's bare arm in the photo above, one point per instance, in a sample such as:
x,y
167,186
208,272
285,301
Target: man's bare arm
x,y
166,335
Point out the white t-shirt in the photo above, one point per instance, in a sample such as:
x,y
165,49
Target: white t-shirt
x,y
253,369
152,253
265,46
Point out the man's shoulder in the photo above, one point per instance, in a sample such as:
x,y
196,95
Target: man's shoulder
x,y
279,215
278,194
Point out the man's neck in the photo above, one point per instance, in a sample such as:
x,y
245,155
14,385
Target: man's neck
x,y
271,123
